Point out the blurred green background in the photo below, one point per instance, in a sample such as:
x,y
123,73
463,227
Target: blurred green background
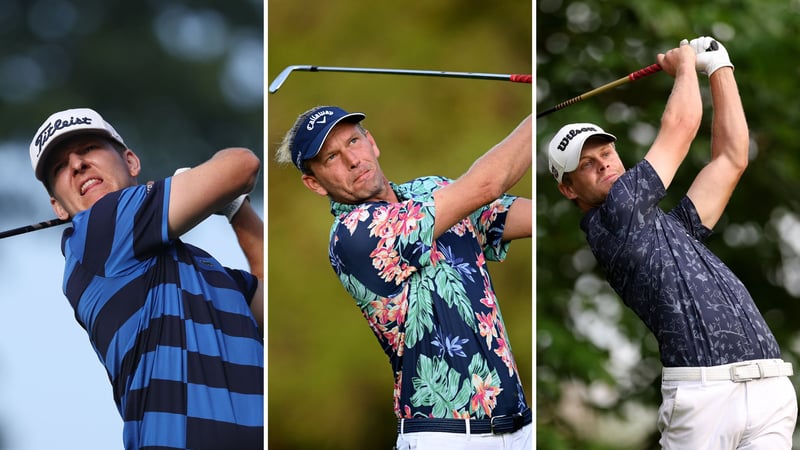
x,y
330,384
598,373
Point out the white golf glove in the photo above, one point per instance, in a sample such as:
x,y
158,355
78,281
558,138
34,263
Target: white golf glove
x,y
231,208
711,54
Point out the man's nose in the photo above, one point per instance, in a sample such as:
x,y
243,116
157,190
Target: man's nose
x,y
351,157
76,161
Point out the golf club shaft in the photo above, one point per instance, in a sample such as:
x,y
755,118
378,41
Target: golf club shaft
x,y
33,227
281,78
633,76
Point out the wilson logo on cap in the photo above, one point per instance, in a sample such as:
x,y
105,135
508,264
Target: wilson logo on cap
x,y
571,135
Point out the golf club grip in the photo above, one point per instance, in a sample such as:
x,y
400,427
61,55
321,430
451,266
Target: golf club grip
x,y
521,78
633,76
33,227
641,73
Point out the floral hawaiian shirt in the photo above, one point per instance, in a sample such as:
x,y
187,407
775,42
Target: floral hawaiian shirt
x,y
431,303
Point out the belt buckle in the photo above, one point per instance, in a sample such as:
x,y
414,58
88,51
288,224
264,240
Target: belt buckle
x,y
491,423
736,378
517,422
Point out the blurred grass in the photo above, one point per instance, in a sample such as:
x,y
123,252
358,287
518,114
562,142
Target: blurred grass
x,y
329,383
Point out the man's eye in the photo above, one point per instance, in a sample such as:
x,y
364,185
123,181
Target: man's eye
x,y
57,168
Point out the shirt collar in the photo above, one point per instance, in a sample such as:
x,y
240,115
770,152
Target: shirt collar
x,y
403,191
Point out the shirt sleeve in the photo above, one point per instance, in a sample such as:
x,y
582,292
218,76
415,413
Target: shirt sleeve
x,y
686,213
489,222
246,281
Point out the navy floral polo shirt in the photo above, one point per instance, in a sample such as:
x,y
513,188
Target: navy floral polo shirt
x,y
431,304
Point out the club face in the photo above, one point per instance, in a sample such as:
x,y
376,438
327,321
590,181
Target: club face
x,y
281,78
278,81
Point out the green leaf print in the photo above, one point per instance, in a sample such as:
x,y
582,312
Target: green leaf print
x,y
420,310
439,386
360,293
478,366
449,285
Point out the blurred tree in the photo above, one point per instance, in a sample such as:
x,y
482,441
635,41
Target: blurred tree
x,y
178,82
597,365
330,385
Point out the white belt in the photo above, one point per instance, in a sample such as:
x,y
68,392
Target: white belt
x,y
736,372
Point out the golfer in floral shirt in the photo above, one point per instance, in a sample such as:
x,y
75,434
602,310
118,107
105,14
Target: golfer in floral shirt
x,y
414,256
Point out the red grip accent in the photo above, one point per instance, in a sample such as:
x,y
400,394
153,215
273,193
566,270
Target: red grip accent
x,y
649,70
519,78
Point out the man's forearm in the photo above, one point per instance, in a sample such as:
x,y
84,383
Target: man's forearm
x,y
249,230
684,108
509,160
730,137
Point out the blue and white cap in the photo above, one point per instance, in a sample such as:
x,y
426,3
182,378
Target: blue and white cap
x,y
67,123
564,151
314,128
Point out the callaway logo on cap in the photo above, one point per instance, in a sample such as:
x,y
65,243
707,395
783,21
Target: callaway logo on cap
x,y
564,151
309,139
320,117
66,123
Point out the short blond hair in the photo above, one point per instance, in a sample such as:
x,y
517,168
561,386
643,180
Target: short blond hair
x,y
283,155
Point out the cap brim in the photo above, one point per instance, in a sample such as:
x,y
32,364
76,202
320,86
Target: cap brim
x,y
40,166
319,141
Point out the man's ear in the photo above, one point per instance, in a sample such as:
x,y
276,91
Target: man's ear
x,y
311,182
61,213
567,191
134,165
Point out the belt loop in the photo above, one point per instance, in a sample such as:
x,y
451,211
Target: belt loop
x,y
467,427
402,424
703,375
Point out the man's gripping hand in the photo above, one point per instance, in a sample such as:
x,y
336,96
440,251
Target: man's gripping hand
x,y
711,54
231,209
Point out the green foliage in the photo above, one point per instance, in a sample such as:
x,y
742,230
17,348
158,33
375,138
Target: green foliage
x,y
582,45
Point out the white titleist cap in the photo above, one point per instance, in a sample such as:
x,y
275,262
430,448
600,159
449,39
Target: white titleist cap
x,y
564,151
66,123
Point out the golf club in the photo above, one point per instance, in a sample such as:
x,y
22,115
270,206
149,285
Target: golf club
x,y
641,73
281,78
33,227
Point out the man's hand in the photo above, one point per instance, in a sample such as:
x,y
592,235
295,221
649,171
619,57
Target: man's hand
x,y
711,55
231,209
676,59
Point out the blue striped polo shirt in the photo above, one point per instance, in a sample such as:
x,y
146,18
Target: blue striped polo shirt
x,y
172,327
